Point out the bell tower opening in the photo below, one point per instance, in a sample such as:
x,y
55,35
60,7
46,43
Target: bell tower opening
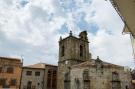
x,y
81,51
62,51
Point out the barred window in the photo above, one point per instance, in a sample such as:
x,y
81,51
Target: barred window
x,y
37,73
29,85
0,69
28,73
10,70
62,51
86,85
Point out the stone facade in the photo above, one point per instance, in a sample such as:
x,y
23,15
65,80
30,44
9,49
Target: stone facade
x,y
10,72
100,75
39,76
31,80
77,70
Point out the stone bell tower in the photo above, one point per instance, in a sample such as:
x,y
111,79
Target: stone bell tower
x,y
72,50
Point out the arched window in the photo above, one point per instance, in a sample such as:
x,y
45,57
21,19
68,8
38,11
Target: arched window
x,y
62,51
81,50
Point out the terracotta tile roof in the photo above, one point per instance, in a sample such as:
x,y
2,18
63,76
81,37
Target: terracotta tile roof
x,y
10,58
39,65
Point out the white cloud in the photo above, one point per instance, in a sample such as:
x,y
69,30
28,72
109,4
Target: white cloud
x,y
32,30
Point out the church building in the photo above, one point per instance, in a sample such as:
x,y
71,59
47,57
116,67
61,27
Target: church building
x,y
78,70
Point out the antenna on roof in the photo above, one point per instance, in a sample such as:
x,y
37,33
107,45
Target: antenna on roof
x,y
22,57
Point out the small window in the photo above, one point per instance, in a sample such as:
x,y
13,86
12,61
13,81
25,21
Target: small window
x,y
49,71
115,76
0,69
29,73
37,73
10,70
13,82
2,81
62,51
116,83
54,72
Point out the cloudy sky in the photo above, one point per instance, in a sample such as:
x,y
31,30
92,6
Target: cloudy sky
x,y
32,28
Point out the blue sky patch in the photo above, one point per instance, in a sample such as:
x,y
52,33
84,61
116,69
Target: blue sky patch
x,y
68,5
93,13
63,29
84,25
23,2
50,17
87,1
92,27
